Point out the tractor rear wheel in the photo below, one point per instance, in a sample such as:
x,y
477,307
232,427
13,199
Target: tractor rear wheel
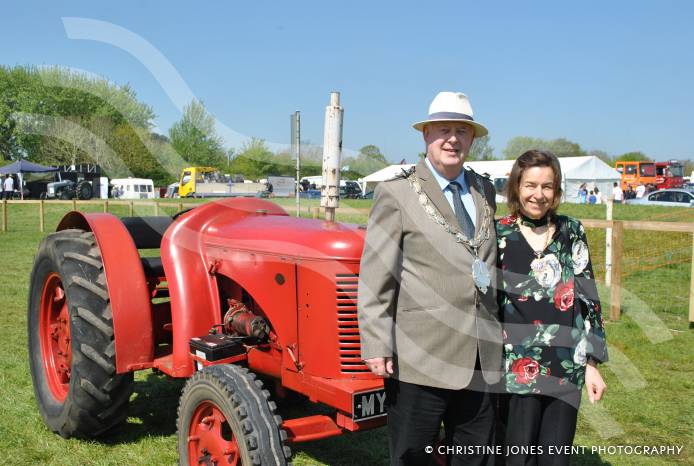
x,y
71,340
84,190
226,418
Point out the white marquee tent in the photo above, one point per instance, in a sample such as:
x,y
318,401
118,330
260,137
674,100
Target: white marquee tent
x,y
575,171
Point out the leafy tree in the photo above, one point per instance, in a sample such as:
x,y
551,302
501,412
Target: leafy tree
x,y
635,156
602,155
254,160
560,147
59,116
195,138
481,149
369,160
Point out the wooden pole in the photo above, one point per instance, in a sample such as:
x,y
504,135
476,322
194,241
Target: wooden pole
x,y
42,226
616,280
74,204
180,206
131,208
691,290
608,245
4,215
156,209
105,206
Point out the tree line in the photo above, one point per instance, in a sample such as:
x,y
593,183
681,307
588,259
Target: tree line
x,y
55,116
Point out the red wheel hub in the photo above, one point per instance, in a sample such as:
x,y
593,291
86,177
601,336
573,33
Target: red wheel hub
x,y
210,438
54,334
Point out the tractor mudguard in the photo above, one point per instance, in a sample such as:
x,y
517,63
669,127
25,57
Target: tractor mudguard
x,y
128,292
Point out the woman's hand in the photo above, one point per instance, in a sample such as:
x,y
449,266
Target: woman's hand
x,y
594,383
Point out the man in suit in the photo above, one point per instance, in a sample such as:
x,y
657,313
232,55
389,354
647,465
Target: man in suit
x,y
427,300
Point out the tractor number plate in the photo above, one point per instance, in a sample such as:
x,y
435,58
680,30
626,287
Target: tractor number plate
x,y
368,405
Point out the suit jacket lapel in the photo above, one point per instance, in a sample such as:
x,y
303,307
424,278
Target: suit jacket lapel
x,y
432,189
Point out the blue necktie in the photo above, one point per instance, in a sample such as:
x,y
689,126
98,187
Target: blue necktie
x,y
464,220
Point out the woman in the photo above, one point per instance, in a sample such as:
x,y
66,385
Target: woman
x,y
582,194
553,331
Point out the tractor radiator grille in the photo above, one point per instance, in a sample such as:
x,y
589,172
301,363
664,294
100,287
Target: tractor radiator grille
x,y
347,325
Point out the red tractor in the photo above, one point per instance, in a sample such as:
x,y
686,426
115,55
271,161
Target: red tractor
x,y
244,300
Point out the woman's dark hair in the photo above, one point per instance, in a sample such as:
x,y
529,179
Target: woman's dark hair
x,y
530,159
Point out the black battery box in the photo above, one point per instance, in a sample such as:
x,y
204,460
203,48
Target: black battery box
x,y
216,347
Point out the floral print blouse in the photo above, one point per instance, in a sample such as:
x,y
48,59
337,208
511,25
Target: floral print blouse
x,y
550,309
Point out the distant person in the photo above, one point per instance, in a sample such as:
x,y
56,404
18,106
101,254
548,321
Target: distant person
x,y
305,185
582,194
8,186
617,194
598,195
640,191
629,193
592,199
114,192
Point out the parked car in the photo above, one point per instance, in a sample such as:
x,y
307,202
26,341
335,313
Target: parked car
x,y
666,197
310,194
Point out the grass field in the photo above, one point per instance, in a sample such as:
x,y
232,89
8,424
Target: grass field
x,y
650,383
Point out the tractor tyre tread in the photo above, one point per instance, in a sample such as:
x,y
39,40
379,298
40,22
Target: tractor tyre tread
x,y
262,433
98,397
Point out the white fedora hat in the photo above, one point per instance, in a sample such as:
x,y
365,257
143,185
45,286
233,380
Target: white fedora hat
x,y
452,106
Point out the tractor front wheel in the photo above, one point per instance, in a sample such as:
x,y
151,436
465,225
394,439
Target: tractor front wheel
x,y
71,340
226,418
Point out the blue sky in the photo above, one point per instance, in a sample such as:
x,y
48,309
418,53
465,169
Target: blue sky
x,y
611,75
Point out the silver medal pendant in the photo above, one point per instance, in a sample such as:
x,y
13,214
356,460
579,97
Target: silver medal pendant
x,y
480,274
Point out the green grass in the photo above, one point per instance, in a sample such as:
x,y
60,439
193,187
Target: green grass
x,y
650,384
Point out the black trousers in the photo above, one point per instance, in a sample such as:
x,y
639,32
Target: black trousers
x,y
538,428
415,414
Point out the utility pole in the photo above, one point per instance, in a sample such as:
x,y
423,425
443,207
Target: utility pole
x,y
295,119
332,150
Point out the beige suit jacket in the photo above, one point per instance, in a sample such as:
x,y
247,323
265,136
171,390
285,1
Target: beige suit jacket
x,y
416,292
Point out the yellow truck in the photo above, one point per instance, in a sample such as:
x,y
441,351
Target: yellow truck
x,y
209,182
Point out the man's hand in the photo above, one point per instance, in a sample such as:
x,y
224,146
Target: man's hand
x,y
382,367
594,383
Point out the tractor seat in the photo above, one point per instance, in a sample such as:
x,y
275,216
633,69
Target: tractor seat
x,y
152,266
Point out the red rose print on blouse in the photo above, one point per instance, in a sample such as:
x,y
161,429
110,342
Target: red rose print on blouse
x,y
564,296
525,369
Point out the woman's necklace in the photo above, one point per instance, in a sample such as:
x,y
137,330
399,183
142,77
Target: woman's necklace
x,y
531,224
545,268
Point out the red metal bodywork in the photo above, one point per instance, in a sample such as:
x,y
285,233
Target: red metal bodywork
x,y
299,274
127,285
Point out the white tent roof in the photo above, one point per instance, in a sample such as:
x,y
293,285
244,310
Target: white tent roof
x,y
386,173
494,168
587,168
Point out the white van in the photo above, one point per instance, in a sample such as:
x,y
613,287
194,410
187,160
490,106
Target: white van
x,y
132,188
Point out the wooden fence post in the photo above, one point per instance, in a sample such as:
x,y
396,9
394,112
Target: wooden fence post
x,y
4,215
156,209
180,206
42,227
105,206
131,208
74,204
616,280
691,290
